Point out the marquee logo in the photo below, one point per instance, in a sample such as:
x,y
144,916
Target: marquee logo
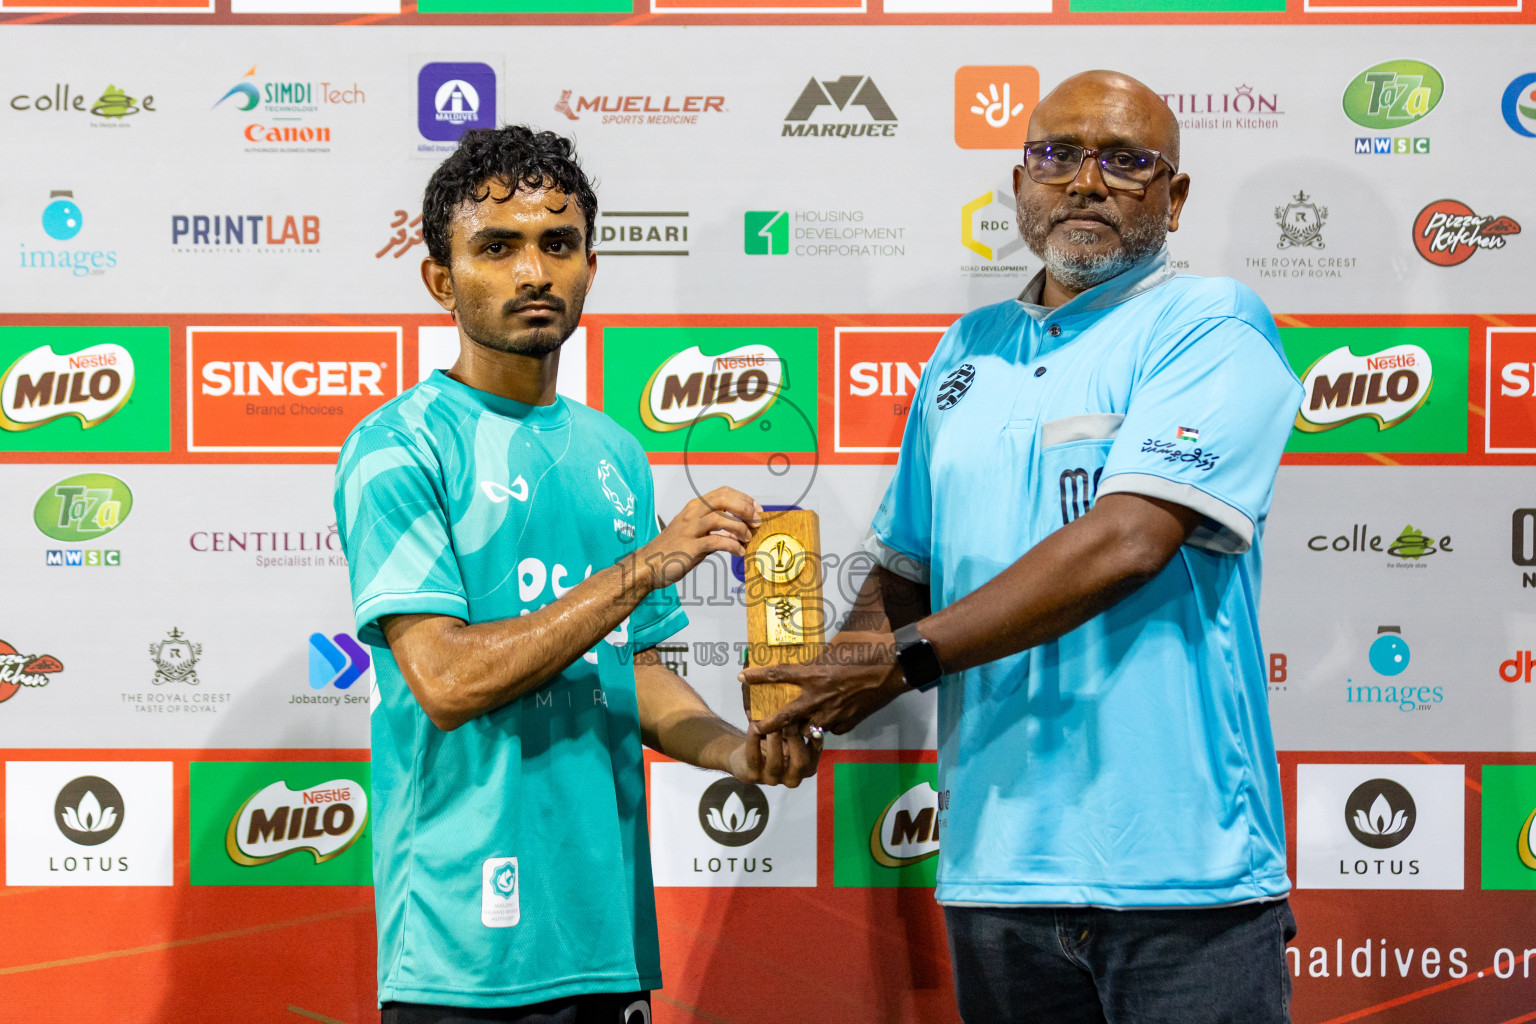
x,y
841,94
878,370
907,831
18,670
42,386
276,821
1393,94
1447,232
1387,386
737,386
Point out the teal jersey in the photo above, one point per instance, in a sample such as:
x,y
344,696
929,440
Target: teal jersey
x,y
511,858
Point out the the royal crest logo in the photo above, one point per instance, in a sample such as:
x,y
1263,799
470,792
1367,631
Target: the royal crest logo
x,y
1387,386
953,387
737,386
43,386
175,659
18,670
907,831
324,819
1301,223
1447,232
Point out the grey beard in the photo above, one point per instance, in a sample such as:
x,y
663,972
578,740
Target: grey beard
x,y
1082,272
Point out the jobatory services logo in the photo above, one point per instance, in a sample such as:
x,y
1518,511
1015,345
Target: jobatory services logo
x,y
1241,108
286,389
713,389
29,670
113,107
638,109
451,99
289,823
83,508
992,105
336,662
873,119
1389,96
1379,389
62,220
1447,233
887,822
1519,105
1380,826
878,370
85,389
88,823
278,116
1509,814
712,831
1510,391
642,233
989,229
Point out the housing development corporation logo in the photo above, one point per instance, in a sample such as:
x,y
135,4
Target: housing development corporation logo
x,y
1392,95
62,220
993,104
451,99
1448,233
842,95
1519,106
18,670
824,233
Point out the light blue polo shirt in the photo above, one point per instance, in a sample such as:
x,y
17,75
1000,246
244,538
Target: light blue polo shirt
x,y
1129,763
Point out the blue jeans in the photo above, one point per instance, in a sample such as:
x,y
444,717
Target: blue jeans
x,y
1080,965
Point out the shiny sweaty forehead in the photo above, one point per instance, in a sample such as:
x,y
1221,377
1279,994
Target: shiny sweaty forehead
x,y
1106,108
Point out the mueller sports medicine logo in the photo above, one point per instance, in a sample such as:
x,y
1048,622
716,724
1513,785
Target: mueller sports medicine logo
x,y
737,386
807,118
907,831
1241,107
18,670
451,99
91,385
1387,386
286,389
276,821
1447,232
639,109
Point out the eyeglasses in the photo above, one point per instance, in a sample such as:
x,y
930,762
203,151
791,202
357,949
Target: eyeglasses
x,y
1123,167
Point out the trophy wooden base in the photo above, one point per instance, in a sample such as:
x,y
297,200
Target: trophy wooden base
x,y
786,621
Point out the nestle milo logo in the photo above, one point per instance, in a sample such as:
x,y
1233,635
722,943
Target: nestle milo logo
x,y
907,831
1393,94
738,386
1387,386
324,820
42,386
83,507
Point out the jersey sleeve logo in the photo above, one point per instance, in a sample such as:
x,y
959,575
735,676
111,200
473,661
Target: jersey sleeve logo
x,y
954,387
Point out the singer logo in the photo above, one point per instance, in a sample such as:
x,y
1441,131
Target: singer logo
x,y
993,104
43,386
275,389
877,374
1387,386
1511,391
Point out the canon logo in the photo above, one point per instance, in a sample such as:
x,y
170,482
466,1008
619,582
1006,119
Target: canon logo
x,y
248,377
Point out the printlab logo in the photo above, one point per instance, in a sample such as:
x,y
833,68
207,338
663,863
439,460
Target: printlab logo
x,y
953,387
268,233
826,233
18,670
452,98
62,221
1301,223
993,104
766,233
1447,232
89,810
1380,814
733,813
112,108
1519,106
1240,108
337,661
175,659
806,118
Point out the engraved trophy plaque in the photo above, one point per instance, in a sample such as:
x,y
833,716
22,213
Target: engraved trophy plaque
x,y
786,622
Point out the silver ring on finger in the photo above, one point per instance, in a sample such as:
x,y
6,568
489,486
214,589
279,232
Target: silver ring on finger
x,y
815,732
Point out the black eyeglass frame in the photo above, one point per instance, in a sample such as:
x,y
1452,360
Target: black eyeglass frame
x,y
1097,153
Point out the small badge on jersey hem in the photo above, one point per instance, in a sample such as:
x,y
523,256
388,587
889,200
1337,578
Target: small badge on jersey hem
x,y
954,387
500,893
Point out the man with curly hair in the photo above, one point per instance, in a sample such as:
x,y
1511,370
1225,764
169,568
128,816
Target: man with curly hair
x,y
505,563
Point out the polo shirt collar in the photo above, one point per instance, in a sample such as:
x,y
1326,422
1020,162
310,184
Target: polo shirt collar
x,y
1143,277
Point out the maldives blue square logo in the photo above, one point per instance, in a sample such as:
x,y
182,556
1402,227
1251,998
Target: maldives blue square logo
x,y
453,98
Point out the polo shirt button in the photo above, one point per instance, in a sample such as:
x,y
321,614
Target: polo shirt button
x,y
1055,331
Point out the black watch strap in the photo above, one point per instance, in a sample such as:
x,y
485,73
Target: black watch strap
x,y
916,659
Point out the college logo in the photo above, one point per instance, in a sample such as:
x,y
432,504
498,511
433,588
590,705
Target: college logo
x,y
651,233
452,98
88,810
263,389
878,370
337,661
42,386
1240,108
886,825
1393,94
1509,819
953,387
841,95
290,823
1380,826
1447,232
1301,223
83,507
708,830
1379,389
18,670
112,107
733,813
175,659
1519,106
1511,390
993,104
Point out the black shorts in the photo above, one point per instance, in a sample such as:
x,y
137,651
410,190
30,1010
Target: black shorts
x,y
604,1008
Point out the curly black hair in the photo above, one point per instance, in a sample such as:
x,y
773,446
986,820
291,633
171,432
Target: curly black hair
x,y
513,156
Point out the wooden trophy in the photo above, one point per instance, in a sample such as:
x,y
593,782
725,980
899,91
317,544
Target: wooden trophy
x,y
786,621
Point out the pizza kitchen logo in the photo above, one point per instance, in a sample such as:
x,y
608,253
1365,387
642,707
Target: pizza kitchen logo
x,y
737,386
1447,232
323,820
18,670
1388,386
42,386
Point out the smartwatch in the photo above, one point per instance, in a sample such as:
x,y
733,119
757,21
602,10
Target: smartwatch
x,y
916,658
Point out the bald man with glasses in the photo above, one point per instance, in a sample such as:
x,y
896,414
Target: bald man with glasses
x,y
1069,551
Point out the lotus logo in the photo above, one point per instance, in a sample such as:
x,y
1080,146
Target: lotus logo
x,y
1380,813
504,881
43,386
733,813
907,831
325,819
1386,386
738,386
89,810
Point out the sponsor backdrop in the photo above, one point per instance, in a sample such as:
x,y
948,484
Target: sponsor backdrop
x,y
212,214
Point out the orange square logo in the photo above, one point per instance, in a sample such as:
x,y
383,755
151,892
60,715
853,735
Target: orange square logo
x,y
992,105
1511,389
877,373
286,389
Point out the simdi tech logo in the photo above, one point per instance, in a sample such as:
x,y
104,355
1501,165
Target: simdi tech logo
x,y
1389,96
878,370
713,389
993,104
275,114
88,823
286,389
1510,393
1509,821
280,823
886,824
85,389
1379,389
1380,826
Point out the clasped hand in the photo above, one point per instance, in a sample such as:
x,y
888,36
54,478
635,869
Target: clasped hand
x,y
852,678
